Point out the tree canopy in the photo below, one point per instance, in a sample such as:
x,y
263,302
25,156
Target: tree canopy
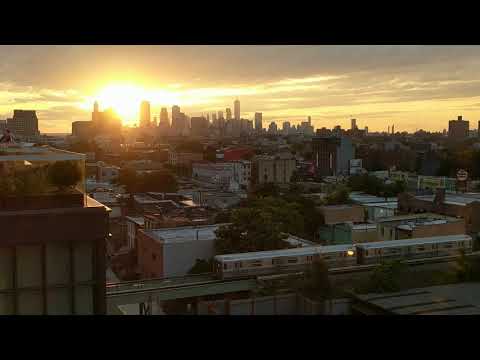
x,y
159,181
259,226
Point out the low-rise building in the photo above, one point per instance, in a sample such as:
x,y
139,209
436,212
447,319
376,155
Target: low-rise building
x,y
274,169
418,226
174,251
464,205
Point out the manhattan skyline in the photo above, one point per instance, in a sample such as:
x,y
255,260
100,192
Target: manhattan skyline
x,y
412,87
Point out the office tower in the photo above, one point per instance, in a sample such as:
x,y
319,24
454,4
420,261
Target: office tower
x,y
95,113
145,114
258,122
24,123
393,129
458,129
228,113
366,129
175,117
164,116
52,246
272,128
331,155
220,115
236,109
309,120
353,124
155,121
286,128
214,118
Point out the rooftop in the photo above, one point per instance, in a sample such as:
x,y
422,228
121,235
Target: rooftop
x,y
453,198
363,198
453,299
183,234
28,152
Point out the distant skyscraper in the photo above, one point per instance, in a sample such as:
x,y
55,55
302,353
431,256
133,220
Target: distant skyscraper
x,y
458,129
286,128
272,128
145,114
354,124
258,122
155,121
228,113
236,109
309,120
164,116
214,118
393,129
199,126
220,115
366,129
24,123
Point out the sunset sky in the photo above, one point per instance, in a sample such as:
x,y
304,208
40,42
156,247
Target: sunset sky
x,y
412,87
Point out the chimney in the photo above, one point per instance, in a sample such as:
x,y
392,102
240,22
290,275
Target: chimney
x,y
439,196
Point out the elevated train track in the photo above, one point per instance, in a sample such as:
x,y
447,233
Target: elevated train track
x,y
140,291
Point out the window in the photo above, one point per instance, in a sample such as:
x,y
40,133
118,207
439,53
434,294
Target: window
x,y
225,266
292,261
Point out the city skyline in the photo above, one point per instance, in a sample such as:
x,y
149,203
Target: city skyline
x,y
412,87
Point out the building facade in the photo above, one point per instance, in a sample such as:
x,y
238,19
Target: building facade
x,y
458,129
332,155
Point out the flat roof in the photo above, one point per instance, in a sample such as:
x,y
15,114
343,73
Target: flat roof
x,y
453,299
453,199
37,153
427,216
364,198
183,233
416,241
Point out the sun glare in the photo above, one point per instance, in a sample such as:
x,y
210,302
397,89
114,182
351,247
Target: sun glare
x,y
125,100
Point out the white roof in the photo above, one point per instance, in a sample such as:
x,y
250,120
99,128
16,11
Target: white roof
x,y
410,242
183,233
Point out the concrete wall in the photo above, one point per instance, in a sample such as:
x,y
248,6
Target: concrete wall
x,y
287,304
149,257
179,257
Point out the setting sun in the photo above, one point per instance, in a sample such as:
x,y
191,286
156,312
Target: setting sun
x,y
125,100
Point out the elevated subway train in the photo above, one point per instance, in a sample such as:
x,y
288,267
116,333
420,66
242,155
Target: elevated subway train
x,y
336,256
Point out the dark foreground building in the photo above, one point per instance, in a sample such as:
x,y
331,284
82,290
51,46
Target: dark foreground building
x,y
52,242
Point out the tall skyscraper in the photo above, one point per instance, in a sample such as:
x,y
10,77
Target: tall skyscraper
x,y
164,116
228,113
220,115
354,124
458,129
258,122
145,114
214,118
236,109
286,128
155,121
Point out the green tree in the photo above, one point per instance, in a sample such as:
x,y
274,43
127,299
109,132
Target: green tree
x,y
64,174
262,225
387,277
128,178
317,283
339,195
201,267
158,181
